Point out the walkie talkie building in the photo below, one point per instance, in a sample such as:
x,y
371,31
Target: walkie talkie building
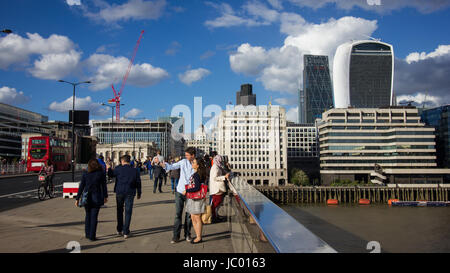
x,y
363,74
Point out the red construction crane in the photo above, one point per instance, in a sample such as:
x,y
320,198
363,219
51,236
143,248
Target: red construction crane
x,y
116,98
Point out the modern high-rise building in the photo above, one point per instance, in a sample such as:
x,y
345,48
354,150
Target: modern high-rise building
x,y
439,118
245,96
354,142
14,122
254,139
317,87
363,75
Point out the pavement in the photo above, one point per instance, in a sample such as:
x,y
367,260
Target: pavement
x,y
54,225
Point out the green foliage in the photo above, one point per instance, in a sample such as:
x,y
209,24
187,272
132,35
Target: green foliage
x,y
300,178
316,182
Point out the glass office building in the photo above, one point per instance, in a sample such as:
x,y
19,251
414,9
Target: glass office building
x,y
318,93
158,132
363,75
14,122
438,118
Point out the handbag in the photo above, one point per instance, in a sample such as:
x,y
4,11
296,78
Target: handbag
x,y
207,215
84,198
200,194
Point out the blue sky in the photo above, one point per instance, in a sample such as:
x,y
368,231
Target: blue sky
x,y
205,48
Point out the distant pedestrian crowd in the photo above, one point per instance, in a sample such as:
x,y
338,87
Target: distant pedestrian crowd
x,y
190,179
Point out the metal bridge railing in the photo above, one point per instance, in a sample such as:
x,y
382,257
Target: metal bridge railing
x,y
259,226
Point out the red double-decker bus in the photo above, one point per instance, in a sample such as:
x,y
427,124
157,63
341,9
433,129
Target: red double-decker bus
x,y
43,148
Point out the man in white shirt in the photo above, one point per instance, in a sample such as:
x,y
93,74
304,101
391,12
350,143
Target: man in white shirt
x,y
186,172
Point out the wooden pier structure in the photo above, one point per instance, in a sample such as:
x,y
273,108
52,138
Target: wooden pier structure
x,y
381,195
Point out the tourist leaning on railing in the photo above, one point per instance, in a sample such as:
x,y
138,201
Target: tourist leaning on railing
x,y
217,186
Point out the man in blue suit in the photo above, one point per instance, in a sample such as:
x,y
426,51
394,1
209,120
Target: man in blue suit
x,y
128,182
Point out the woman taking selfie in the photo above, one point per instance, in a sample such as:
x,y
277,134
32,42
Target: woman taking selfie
x,y
196,206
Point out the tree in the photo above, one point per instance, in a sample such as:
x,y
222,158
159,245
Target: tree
x,y
299,177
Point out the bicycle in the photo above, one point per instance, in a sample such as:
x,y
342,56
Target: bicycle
x,y
44,188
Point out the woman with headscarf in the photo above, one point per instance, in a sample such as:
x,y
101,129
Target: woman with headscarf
x,y
217,188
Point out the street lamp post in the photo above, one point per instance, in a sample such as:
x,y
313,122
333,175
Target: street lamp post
x,y
73,124
112,127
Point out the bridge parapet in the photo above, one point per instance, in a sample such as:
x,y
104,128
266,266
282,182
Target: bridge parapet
x,y
259,226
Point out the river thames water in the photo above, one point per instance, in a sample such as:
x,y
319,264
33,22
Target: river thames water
x,y
349,228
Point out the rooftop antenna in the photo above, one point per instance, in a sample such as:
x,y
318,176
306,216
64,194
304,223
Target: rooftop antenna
x,y
424,100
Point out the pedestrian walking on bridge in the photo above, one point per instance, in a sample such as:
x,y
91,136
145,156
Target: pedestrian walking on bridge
x,y
128,182
158,171
94,180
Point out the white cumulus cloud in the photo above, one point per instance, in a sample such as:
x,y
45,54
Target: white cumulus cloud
x,y
56,55
286,101
131,10
10,95
276,4
108,69
73,2
133,113
55,66
292,114
380,6
424,73
253,14
193,75
86,103
280,69
442,50
420,99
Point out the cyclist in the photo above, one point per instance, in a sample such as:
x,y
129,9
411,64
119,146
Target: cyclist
x,y
47,169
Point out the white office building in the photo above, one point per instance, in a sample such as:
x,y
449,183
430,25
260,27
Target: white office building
x,y
254,139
